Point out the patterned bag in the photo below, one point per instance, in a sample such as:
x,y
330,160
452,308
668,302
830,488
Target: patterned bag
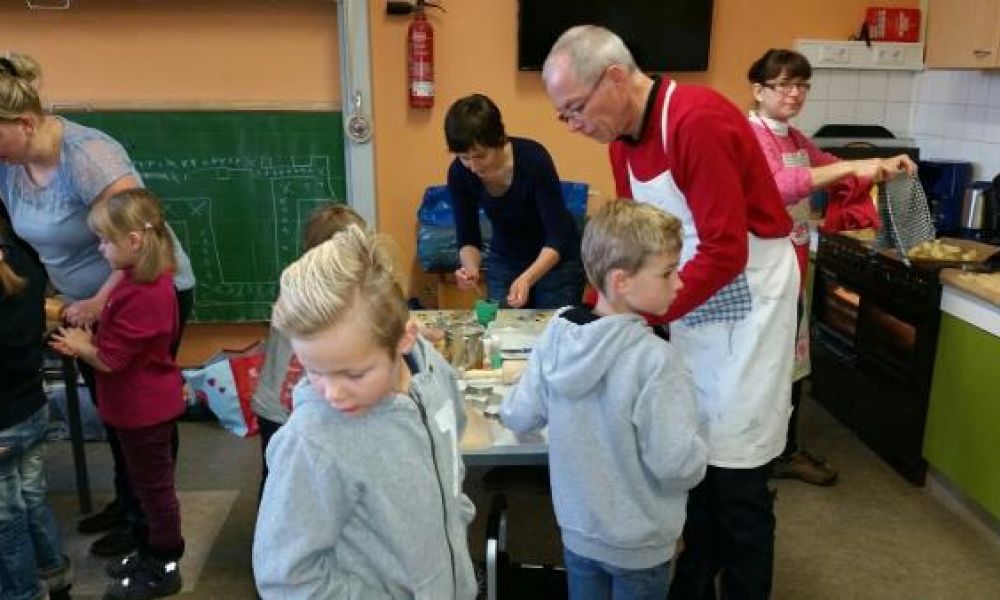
x,y
226,386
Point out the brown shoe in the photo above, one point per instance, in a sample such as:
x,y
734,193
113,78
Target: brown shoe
x,y
804,466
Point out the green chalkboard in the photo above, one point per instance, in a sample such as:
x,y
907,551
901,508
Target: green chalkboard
x,y
237,186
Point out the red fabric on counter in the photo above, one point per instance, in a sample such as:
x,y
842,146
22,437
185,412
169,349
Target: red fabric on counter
x,y
849,207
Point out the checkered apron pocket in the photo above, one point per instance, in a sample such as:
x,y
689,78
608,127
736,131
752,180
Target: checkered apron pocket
x,y
730,304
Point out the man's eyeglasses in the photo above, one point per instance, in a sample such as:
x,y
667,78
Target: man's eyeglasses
x,y
786,87
574,114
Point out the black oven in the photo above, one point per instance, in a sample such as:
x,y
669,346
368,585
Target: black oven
x,y
874,331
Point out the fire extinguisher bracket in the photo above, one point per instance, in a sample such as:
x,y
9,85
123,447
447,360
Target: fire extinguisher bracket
x,y
408,7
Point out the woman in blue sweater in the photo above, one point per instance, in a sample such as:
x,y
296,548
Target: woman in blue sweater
x,y
534,258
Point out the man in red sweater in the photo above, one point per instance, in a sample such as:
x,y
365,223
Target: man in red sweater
x,y
691,152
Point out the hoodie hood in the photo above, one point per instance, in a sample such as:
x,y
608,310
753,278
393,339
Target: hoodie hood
x,y
574,357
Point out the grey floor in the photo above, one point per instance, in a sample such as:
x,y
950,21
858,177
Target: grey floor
x,y
871,536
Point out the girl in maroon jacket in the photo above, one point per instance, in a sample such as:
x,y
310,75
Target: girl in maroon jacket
x,y
138,381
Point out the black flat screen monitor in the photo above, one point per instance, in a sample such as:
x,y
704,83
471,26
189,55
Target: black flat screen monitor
x,y
663,35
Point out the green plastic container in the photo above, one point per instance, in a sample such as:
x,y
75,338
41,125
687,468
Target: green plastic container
x,y
486,311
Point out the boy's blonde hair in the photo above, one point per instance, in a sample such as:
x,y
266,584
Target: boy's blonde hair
x,y
325,221
351,270
19,74
136,210
623,234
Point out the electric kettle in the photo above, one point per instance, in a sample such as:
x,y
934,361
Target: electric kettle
x,y
979,211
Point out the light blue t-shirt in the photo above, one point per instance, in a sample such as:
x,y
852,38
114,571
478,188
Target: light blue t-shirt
x,y
53,218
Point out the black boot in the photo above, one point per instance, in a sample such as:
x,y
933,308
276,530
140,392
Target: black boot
x,y
61,593
111,516
151,578
116,543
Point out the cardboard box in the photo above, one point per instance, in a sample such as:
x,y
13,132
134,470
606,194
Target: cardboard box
x,y
450,297
887,24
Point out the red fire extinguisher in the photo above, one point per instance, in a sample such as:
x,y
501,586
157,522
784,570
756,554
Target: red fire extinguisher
x,y
420,58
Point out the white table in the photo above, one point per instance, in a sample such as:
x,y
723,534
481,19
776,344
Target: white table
x,y
486,442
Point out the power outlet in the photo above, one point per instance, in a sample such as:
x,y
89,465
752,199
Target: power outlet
x,y
889,56
827,54
834,54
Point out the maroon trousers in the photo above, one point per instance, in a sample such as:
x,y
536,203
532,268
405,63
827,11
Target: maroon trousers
x,y
149,463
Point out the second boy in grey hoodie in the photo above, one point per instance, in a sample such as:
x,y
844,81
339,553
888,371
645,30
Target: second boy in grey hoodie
x,y
624,432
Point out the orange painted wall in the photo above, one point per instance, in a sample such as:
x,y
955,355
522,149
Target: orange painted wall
x,y
214,53
235,52
475,51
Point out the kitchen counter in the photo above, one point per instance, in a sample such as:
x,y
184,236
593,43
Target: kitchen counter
x,y
982,285
973,298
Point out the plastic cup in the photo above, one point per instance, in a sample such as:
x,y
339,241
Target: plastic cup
x,y
486,311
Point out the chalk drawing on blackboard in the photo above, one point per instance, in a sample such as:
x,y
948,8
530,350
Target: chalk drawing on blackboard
x,y
244,227
247,169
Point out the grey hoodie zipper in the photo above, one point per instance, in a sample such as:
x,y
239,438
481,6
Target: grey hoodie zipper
x,y
415,396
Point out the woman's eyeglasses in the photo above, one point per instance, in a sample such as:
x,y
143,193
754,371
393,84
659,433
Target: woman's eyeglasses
x,y
786,87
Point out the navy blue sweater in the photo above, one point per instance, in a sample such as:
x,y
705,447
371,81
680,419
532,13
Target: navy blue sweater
x,y
529,216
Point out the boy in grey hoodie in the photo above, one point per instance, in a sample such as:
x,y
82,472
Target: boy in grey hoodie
x,y
364,497
624,435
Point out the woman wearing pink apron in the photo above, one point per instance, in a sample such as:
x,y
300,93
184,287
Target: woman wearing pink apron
x,y
780,81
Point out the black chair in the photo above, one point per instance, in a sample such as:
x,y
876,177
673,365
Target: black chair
x,y
507,579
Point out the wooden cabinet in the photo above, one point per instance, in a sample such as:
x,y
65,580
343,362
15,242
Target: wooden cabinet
x,y
963,34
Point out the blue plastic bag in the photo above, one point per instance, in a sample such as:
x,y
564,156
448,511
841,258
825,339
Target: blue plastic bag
x,y
437,247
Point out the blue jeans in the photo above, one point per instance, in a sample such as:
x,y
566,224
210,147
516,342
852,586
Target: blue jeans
x,y
594,580
28,534
562,286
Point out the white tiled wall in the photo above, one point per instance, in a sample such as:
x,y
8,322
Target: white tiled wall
x,y
956,115
949,114
859,97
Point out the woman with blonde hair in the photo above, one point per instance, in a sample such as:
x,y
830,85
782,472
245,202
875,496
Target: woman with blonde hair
x,y
52,171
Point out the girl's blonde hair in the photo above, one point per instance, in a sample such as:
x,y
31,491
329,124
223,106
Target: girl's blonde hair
x,y
10,283
19,74
624,234
352,270
136,211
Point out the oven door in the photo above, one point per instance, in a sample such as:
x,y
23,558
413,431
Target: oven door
x,y
836,309
887,341
890,408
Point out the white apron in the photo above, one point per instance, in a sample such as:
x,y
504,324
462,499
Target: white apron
x,y
800,213
741,368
